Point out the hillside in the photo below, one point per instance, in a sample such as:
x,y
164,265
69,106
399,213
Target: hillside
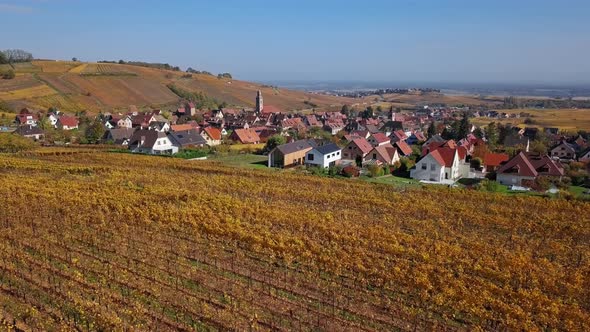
x,y
75,86
126,242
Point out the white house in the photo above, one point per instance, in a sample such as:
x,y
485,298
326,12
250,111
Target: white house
x,y
442,165
323,156
125,122
152,142
52,117
584,156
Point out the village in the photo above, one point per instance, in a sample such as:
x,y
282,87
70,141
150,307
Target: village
x,y
428,145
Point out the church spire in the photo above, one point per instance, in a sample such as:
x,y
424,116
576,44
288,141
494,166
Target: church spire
x,y
259,102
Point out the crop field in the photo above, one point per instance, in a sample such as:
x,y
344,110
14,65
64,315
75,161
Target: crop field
x,y
18,83
26,67
564,119
102,69
126,242
27,93
123,91
55,66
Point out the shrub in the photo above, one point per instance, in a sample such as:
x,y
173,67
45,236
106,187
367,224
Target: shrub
x,y
8,75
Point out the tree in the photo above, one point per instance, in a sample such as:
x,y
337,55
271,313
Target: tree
x,y
478,132
3,58
18,56
75,59
44,123
273,142
463,127
94,131
431,129
491,133
345,110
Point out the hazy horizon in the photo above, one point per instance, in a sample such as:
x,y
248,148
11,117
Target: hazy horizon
x,y
458,41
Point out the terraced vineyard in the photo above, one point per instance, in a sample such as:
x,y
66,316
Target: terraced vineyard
x,y
117,241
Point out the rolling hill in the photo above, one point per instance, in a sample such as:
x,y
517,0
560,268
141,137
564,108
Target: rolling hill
x,y
76,86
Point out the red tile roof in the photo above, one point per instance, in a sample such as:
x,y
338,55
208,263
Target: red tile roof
x,y
246,136
213,132
447,154
380,137
405,149
519,165
439,159
68,121
183,127
495,159
363,144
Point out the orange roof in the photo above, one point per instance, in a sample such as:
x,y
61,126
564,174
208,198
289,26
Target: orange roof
x,y
405,149
213,132
247,136
182,127
495,159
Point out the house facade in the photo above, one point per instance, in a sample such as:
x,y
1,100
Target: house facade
x,y
324,156
151,142
564,150
526,167
357,149
290,154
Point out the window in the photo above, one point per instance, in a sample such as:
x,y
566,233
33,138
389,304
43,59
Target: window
x,y
424,166
374,156
310,157
338,153
446,175
432,167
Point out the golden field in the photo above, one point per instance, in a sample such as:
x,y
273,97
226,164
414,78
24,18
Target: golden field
x,y
126,242
564,119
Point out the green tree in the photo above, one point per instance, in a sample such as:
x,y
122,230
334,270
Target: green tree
x,y
273,142
345,110
431,129
3,58
94,131
464,127
478,132
44,123
491,133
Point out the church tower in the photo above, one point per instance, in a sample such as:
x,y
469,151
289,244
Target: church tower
x,y
259,102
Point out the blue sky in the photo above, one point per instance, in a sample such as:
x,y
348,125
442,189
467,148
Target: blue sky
x,y
412,41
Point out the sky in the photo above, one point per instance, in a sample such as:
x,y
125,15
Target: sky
x,y
517,41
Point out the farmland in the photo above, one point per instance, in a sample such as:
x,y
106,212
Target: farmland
x,y
564,119
106,86
126,242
